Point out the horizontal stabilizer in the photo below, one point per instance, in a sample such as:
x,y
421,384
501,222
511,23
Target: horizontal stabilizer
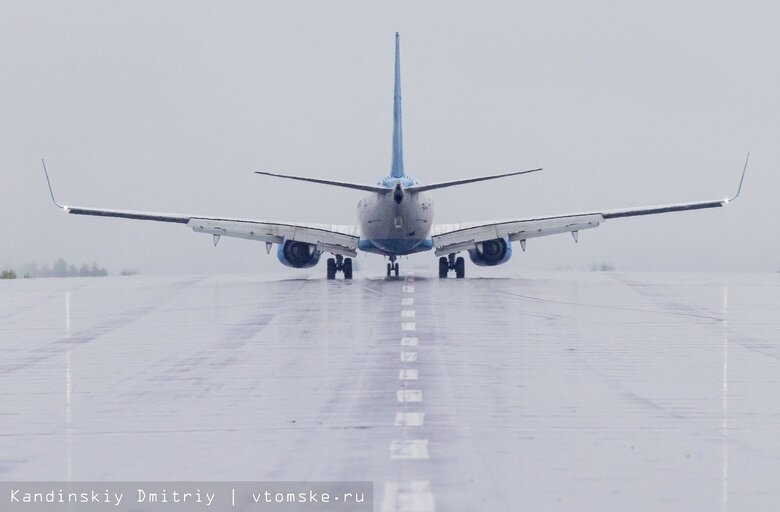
x,y
343,184
444,184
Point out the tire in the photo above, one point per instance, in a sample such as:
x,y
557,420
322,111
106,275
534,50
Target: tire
x,y
331,268
396,268
460,268
389,269
347,268
444,267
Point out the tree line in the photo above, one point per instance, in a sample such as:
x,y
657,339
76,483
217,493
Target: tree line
x,y
60,268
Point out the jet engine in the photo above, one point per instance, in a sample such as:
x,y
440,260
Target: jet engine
x,y
298,254
491,252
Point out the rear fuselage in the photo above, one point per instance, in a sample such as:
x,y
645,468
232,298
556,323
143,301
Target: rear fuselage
x,y
397,222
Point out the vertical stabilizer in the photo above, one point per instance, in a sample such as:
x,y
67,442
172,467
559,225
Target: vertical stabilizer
x,y
397,169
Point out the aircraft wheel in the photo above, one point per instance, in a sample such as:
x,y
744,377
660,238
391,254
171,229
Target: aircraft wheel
x,y
444,267
389,269
332,268
347,268
396,268
460,268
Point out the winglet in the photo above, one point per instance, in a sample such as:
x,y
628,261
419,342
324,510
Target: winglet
x,y
48,181
739,189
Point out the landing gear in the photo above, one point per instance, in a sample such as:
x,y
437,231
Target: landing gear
x,y
452,263
460,268
393,267
347,268
339,263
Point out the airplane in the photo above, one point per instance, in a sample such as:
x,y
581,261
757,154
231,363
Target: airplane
x,y
395,219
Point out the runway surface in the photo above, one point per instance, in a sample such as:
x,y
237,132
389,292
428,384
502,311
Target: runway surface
x,y
546,391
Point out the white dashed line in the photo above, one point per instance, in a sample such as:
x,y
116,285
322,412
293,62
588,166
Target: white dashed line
x,y
409,341
408,357
411,496
409,395
409,419
407,374
409,449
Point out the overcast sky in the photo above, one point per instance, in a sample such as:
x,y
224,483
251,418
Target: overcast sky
x,y
170,106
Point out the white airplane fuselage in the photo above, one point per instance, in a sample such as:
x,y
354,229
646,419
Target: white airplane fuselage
x,y
395,223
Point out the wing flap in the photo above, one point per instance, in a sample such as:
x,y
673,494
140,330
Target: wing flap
x,y
328,238
459,237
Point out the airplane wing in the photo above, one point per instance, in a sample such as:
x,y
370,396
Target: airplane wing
x,y
452,238
336,239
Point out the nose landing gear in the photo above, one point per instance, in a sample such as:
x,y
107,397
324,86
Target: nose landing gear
x,y
340,263
452,263
392,267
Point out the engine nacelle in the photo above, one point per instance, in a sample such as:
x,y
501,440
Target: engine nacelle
x,y
491,252
298,254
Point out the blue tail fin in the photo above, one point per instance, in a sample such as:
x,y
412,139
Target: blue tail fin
x,y
397,170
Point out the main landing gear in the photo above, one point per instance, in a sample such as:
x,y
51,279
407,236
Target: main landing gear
x,y
392,267
340,263
452,263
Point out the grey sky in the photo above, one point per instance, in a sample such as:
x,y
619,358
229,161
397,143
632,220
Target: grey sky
x,y
169,106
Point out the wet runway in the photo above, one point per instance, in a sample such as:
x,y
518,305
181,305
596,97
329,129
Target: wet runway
x,y
541,391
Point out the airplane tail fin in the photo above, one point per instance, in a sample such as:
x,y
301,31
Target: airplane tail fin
x,y
397,169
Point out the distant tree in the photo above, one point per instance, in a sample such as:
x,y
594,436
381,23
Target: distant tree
x,y
29,270
7,274
60,268
127,272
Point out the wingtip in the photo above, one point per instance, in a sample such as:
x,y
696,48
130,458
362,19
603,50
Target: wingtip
x,y
51,191
741,180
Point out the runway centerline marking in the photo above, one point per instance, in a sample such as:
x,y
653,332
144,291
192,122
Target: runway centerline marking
x,y
408,326
409,288
410,496
407,301
409,341
409,449
408,357
406,374
409,395
408,313
409,419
